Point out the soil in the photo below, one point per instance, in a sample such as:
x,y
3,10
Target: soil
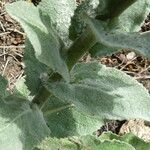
x,y
12,40
11,47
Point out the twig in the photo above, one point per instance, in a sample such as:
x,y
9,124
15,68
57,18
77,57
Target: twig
x,y
129,72
2,26
5,67
142,77
3,13
18,54
4,54
2,34
15,58
15,30
20,46
144,69
131,61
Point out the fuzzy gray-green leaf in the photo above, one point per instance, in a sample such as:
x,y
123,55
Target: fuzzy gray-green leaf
x,y
60,13
133,17
78,21
64,119
131,139
22,127
34,69
43,38
108,93
121,40
83,143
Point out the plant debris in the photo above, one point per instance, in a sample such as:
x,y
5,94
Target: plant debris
x,y
12,40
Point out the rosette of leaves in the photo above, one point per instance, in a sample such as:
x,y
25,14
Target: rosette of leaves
x,y
62,102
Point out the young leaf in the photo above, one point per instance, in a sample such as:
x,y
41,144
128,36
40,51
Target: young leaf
x,y
131,139
78,22
60,13
64,119
21,88
119,40
22,127
106,92
129,21
44,40
34,69
83,143
133,17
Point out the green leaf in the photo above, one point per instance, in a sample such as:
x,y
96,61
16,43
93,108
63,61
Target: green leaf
x,y
120,40
60,13
131,139
109,9
83,143
133,17
101,50
34,69
45,41
3,85
21,89
64,119
128,22
78,21
105,92
22,126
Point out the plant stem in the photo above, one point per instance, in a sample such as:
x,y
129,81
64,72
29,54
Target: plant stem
x,y
41,96
80,47
114,8
75,52
84,43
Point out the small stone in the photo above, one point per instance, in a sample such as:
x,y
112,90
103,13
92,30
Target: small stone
x,y
138,128
130,56
122,57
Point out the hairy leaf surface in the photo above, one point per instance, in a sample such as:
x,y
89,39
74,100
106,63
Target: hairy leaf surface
x,y
78,21
21,127
34,69
83,143
43,38
121,40
133,17
64,119
108,93
129,21
24,125
131,139
60,13
21,89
